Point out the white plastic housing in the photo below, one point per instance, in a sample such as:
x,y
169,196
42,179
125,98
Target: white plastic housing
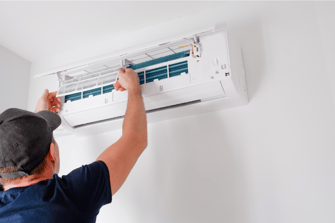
x,y
215,80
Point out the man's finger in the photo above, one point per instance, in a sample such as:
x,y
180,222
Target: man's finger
x,y
52,94
121,70
57,104
54,109
55,99
117,85
128,69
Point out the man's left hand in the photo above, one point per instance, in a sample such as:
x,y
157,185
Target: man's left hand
x,y
49,102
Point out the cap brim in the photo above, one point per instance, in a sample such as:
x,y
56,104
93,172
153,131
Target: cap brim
x,y
53,119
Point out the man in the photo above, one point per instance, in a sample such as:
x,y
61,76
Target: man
x,y
29,162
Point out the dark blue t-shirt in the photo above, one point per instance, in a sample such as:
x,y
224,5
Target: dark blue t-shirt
x,y
76,197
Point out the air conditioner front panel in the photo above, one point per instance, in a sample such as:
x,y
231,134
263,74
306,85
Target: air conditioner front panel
x,y
214,55
105,112
96,114
197,92
188,76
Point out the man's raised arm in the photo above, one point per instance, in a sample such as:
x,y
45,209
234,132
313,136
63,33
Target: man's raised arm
x,y
123,154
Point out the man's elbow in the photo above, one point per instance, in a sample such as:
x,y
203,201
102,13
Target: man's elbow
x,y
137,141
140,144
143,142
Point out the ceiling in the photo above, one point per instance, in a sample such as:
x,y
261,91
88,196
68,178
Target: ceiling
x,y
38,30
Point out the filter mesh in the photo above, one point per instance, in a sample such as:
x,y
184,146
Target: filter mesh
x,y
160,60
157,73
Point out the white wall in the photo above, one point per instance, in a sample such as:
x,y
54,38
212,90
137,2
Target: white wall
x,y
14,80
326,21
270,161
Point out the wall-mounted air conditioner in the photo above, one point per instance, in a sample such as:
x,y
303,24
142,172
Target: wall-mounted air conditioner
x,y
198,73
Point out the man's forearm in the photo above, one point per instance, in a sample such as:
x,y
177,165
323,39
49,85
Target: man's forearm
x,y
135,121
121,157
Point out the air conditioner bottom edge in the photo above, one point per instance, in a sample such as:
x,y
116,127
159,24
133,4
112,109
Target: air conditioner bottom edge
x,y
191,109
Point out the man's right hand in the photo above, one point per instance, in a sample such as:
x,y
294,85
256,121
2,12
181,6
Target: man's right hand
x,y
128,80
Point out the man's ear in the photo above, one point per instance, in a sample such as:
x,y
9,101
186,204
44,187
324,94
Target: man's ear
x,y
52,152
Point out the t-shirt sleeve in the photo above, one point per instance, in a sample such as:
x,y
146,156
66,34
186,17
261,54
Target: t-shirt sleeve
x,y
88,187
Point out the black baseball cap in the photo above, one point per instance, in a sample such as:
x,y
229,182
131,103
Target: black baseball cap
x,y
25,139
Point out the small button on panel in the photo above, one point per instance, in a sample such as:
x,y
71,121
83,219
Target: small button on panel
x,y
215,62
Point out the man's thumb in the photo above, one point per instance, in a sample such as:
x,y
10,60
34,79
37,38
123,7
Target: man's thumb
x,y
45,94
121,71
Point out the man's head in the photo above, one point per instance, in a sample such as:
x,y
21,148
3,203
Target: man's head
x,y
26,141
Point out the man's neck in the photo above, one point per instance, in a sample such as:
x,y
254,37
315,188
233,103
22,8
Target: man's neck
x,y
29,180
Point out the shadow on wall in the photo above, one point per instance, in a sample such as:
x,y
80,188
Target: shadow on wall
x,y
193,169
193,174
250,36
